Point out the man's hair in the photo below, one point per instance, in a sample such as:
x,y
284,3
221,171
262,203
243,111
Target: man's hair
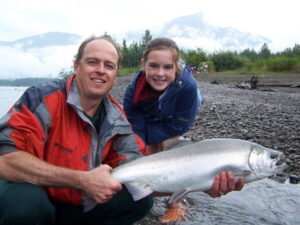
x,y
106,37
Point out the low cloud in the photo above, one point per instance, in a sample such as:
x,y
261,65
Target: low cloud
x,y
39,62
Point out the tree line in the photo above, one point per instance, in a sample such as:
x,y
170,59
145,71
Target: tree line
x,y
23,82
247,60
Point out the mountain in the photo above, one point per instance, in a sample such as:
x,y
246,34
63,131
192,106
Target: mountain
x,y
44,40
45,55
191,32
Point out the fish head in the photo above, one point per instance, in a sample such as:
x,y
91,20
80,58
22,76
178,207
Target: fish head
x,y
265,162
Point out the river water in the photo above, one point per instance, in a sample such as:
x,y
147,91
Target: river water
x,y
8,96
263,202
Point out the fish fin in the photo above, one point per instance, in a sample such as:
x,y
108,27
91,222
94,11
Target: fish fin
x,y
138,190
178,195
176,212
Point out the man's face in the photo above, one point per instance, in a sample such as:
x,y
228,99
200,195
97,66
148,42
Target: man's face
x,y
97,70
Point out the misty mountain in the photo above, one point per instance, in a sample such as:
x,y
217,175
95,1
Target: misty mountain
x,y
45,55
44,40
191,32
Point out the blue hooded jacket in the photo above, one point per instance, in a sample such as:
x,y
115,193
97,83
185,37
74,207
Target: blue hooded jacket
x,y
171,114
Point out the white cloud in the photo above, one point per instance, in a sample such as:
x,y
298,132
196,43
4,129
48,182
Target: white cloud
x,y
277,20
31,17
44,62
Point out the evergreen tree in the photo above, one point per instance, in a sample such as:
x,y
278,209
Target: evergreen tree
x,y
126,55
251,55
265,52
146,39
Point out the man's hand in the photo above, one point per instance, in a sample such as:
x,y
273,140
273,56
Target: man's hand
x,y
99,185
224,183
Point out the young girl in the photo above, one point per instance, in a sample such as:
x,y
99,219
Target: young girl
x,y
162,101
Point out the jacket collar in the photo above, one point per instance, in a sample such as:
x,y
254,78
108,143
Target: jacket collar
x,y
114,116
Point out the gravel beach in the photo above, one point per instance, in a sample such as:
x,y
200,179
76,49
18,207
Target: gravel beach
x,y
266,116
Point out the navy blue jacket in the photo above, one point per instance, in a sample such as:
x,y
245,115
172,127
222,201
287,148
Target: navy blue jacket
x,y
169,115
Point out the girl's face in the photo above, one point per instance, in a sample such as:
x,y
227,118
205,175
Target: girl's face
x,y
160,68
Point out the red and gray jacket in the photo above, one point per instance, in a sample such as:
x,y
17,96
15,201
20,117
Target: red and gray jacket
x,y
48,122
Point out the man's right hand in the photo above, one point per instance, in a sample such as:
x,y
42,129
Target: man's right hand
x,y
99,185
224,183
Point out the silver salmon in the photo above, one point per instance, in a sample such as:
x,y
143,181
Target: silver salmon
x,y
193,167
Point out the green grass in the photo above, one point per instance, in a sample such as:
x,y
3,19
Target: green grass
x,y
127,71
229,74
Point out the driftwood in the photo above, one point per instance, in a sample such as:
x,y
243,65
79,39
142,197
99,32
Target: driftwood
x,y
249,84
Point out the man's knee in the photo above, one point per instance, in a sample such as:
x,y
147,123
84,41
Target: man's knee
x,y
143,206
25,204
122,209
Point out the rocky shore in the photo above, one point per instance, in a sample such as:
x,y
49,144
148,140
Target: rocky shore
x,y
269,118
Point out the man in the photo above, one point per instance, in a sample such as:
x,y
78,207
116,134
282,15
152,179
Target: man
x,y
59,143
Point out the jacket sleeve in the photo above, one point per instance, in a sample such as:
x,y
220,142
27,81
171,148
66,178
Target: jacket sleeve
x,y
21,128
134,115
184,111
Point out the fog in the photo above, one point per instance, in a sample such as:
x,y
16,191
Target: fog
x,y
40,62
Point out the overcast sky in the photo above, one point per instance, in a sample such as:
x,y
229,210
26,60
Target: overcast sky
x,y
275,19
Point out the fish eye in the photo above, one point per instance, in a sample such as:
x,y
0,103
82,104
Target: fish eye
x,y
274,155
